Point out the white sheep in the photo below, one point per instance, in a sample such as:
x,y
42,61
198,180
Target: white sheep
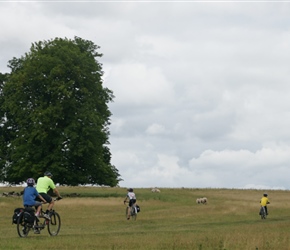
x,y
204,200
201,200
155,190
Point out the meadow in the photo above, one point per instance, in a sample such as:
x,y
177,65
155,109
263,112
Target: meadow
x,y
170,219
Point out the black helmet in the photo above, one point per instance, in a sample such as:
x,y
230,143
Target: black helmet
x,y
30,182
130,189
47,173
265,195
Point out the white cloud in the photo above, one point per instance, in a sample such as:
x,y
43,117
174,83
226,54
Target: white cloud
x,y
135,84
244,166
155,129
264,169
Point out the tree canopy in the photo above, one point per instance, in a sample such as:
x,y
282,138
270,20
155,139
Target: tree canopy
x,y
55,116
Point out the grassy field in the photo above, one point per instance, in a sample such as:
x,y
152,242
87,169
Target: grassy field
x,y
170,219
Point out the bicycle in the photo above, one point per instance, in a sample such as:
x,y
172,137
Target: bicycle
x,y
53,224
133,212
263,213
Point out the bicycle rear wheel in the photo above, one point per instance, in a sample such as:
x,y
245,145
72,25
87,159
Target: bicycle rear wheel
x,y
263,213
53,226
133,213
23,228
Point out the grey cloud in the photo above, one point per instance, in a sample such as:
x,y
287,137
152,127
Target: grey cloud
x,y
201,88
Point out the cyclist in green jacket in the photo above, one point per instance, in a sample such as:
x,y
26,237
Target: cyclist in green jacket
x,y
44,184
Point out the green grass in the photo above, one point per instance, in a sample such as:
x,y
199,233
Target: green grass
x,y
168,220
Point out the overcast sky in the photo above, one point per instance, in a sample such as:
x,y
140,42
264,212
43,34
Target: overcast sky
x,y
202,91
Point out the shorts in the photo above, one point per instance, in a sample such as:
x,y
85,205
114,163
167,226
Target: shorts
x,y
36,204
46,197
131,202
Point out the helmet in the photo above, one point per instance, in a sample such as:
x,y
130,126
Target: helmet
x,y
265,195
130,189
30,181
47,173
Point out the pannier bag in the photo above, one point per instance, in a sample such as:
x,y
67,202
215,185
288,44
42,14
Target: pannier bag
x,y
16,214
138,208
28,215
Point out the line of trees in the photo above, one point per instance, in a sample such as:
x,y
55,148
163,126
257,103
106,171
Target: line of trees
x,y
54,115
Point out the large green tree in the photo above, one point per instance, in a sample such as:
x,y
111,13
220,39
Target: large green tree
x,y
55,115
3,136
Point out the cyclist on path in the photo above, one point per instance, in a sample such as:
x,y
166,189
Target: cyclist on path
x,y
132,200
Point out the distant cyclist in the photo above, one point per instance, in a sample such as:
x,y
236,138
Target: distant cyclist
x,y
264,201
132,200
44,184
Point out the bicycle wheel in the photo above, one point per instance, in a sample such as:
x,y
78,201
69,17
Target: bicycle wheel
x,y
53,225
263,213
23,228
126,212
133,213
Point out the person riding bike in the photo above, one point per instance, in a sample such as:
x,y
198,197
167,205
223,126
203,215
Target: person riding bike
x,y
44,184
132,200
264,201
29,195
